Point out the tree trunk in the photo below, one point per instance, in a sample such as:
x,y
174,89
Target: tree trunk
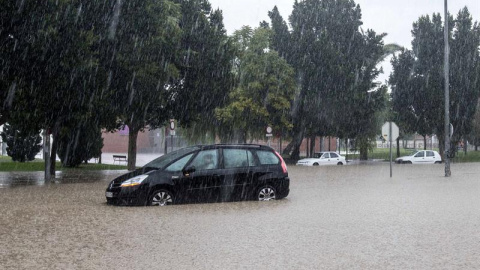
x,y
424,142
346,149
312,146
53,153
363,145
132,148
296,143
398,147
363,152
329,143
293,148
441,146
46,155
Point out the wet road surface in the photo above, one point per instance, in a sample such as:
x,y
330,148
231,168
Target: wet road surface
x,y
338,217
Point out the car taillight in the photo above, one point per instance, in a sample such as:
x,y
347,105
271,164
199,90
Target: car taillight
x,y
284,165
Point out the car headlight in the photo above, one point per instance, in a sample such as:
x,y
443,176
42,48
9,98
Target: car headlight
x,y
135,181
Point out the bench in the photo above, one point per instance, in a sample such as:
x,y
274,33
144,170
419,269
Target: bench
x,y
119,158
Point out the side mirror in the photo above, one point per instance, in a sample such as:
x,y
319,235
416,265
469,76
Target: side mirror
x,y
188,170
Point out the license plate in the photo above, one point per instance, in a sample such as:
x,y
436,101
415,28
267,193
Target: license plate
x,y
109,194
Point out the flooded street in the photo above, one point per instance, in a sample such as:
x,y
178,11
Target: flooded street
x,y
338,217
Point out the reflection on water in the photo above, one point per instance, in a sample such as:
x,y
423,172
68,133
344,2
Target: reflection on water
x,y
15,179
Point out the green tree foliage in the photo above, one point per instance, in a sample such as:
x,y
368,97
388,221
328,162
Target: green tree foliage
x,y
335,64
51,68
79,144
205,65
21,146
474,136
139,57
418,77
264,91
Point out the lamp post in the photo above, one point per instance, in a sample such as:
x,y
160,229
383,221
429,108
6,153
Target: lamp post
x,y
448,173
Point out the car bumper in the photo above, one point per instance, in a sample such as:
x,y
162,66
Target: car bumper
x,y
304,164
136,195
283,189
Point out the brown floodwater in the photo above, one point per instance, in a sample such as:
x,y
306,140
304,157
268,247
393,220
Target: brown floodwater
x,y
337,217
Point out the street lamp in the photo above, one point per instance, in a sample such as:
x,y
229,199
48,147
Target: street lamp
x,y
448,173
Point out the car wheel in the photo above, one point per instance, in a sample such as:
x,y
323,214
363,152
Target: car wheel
x,y
339,163
407,162
161,197
438,162
266,193
315,164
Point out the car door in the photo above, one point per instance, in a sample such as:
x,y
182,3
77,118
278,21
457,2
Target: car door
x,y
236,173
419,157
334,158
325,159
430,157
205,180
181,182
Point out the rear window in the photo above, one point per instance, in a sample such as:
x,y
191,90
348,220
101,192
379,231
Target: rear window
x,y
267,158
235,158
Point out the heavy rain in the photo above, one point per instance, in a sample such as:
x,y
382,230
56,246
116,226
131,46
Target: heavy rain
x,y
309,134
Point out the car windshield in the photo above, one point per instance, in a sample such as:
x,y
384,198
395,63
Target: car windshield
x,y
318,155
164,160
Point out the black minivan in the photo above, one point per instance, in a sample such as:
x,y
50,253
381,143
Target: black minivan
x,y
217,172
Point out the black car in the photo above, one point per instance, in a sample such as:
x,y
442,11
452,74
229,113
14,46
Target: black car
x,y
204,173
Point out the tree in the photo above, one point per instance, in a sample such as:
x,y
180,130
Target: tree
x,y
335,65
51,50
465,76
474,136
205,68
139,57
417,80
21,145
80,143
264,91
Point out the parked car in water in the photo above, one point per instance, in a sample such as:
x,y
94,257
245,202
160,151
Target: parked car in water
x,y
204,173
323,158
421,157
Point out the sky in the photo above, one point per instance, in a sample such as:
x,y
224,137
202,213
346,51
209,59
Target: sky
x,y
384,16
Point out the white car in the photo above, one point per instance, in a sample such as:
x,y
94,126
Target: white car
x,y
421,157
323,158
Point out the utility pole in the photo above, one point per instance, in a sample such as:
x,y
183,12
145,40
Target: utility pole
x,y
448,173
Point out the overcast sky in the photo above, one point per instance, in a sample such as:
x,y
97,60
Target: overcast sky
x,y
384,16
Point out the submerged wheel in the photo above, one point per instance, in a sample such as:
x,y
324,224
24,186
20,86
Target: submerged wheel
x,y
315,164
339,163
266,193
161,197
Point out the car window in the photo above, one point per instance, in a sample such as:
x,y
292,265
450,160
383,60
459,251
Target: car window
x,y
235,158
179,164
430,154
166,159
419,154
326,155
333,155
206,160
317,155
267,158
251,159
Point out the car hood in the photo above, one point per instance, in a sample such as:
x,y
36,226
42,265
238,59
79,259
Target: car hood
x,y
404,158
143,170
308,160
